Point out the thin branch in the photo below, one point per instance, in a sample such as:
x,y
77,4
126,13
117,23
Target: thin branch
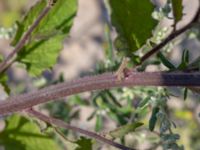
x,y
99,82
172,36
62,124
7,62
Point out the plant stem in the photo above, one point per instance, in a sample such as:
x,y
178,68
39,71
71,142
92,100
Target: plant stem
x,y
62,124
99,82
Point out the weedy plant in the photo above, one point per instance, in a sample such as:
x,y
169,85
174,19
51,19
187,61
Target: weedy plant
x,y
134,100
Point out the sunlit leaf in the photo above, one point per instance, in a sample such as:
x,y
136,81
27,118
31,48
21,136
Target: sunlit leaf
x,y
21,134
133,22
46,41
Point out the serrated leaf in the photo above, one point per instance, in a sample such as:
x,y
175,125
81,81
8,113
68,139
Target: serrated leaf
x,y
84,144
177,7
123,130
40,55
153,119
133,22
21,134
28,20
42,50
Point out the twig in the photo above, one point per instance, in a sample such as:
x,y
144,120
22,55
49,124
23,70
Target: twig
x,y
6,63
171,37
62,124
99,82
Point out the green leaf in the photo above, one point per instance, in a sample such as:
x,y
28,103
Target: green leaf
x,y
144,102
99,123
84,144
42,50
133,22
185,93
40,55
153,119
3,81
166,62
177,7
185,60
123,130
28,20
21,134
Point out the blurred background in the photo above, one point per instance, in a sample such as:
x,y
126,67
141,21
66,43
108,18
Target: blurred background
x,y
82,52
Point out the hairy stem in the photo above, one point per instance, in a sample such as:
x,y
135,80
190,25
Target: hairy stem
x,y
99,82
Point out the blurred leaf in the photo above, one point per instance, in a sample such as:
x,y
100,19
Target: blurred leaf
x,y
123,130
144,102
134,23
92,115
21,134
166,62
177,7
184,60
46,40
184,114
153,119
112,98
185,93
84,144
170,138
99,123
194,64
59,109
3,81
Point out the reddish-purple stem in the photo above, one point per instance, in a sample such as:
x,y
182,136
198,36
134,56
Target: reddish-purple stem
x,y
99,82
62,124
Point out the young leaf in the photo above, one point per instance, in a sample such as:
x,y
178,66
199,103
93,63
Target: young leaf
x,y
153,119
177,7
21,134
123,130
133,22
42,50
